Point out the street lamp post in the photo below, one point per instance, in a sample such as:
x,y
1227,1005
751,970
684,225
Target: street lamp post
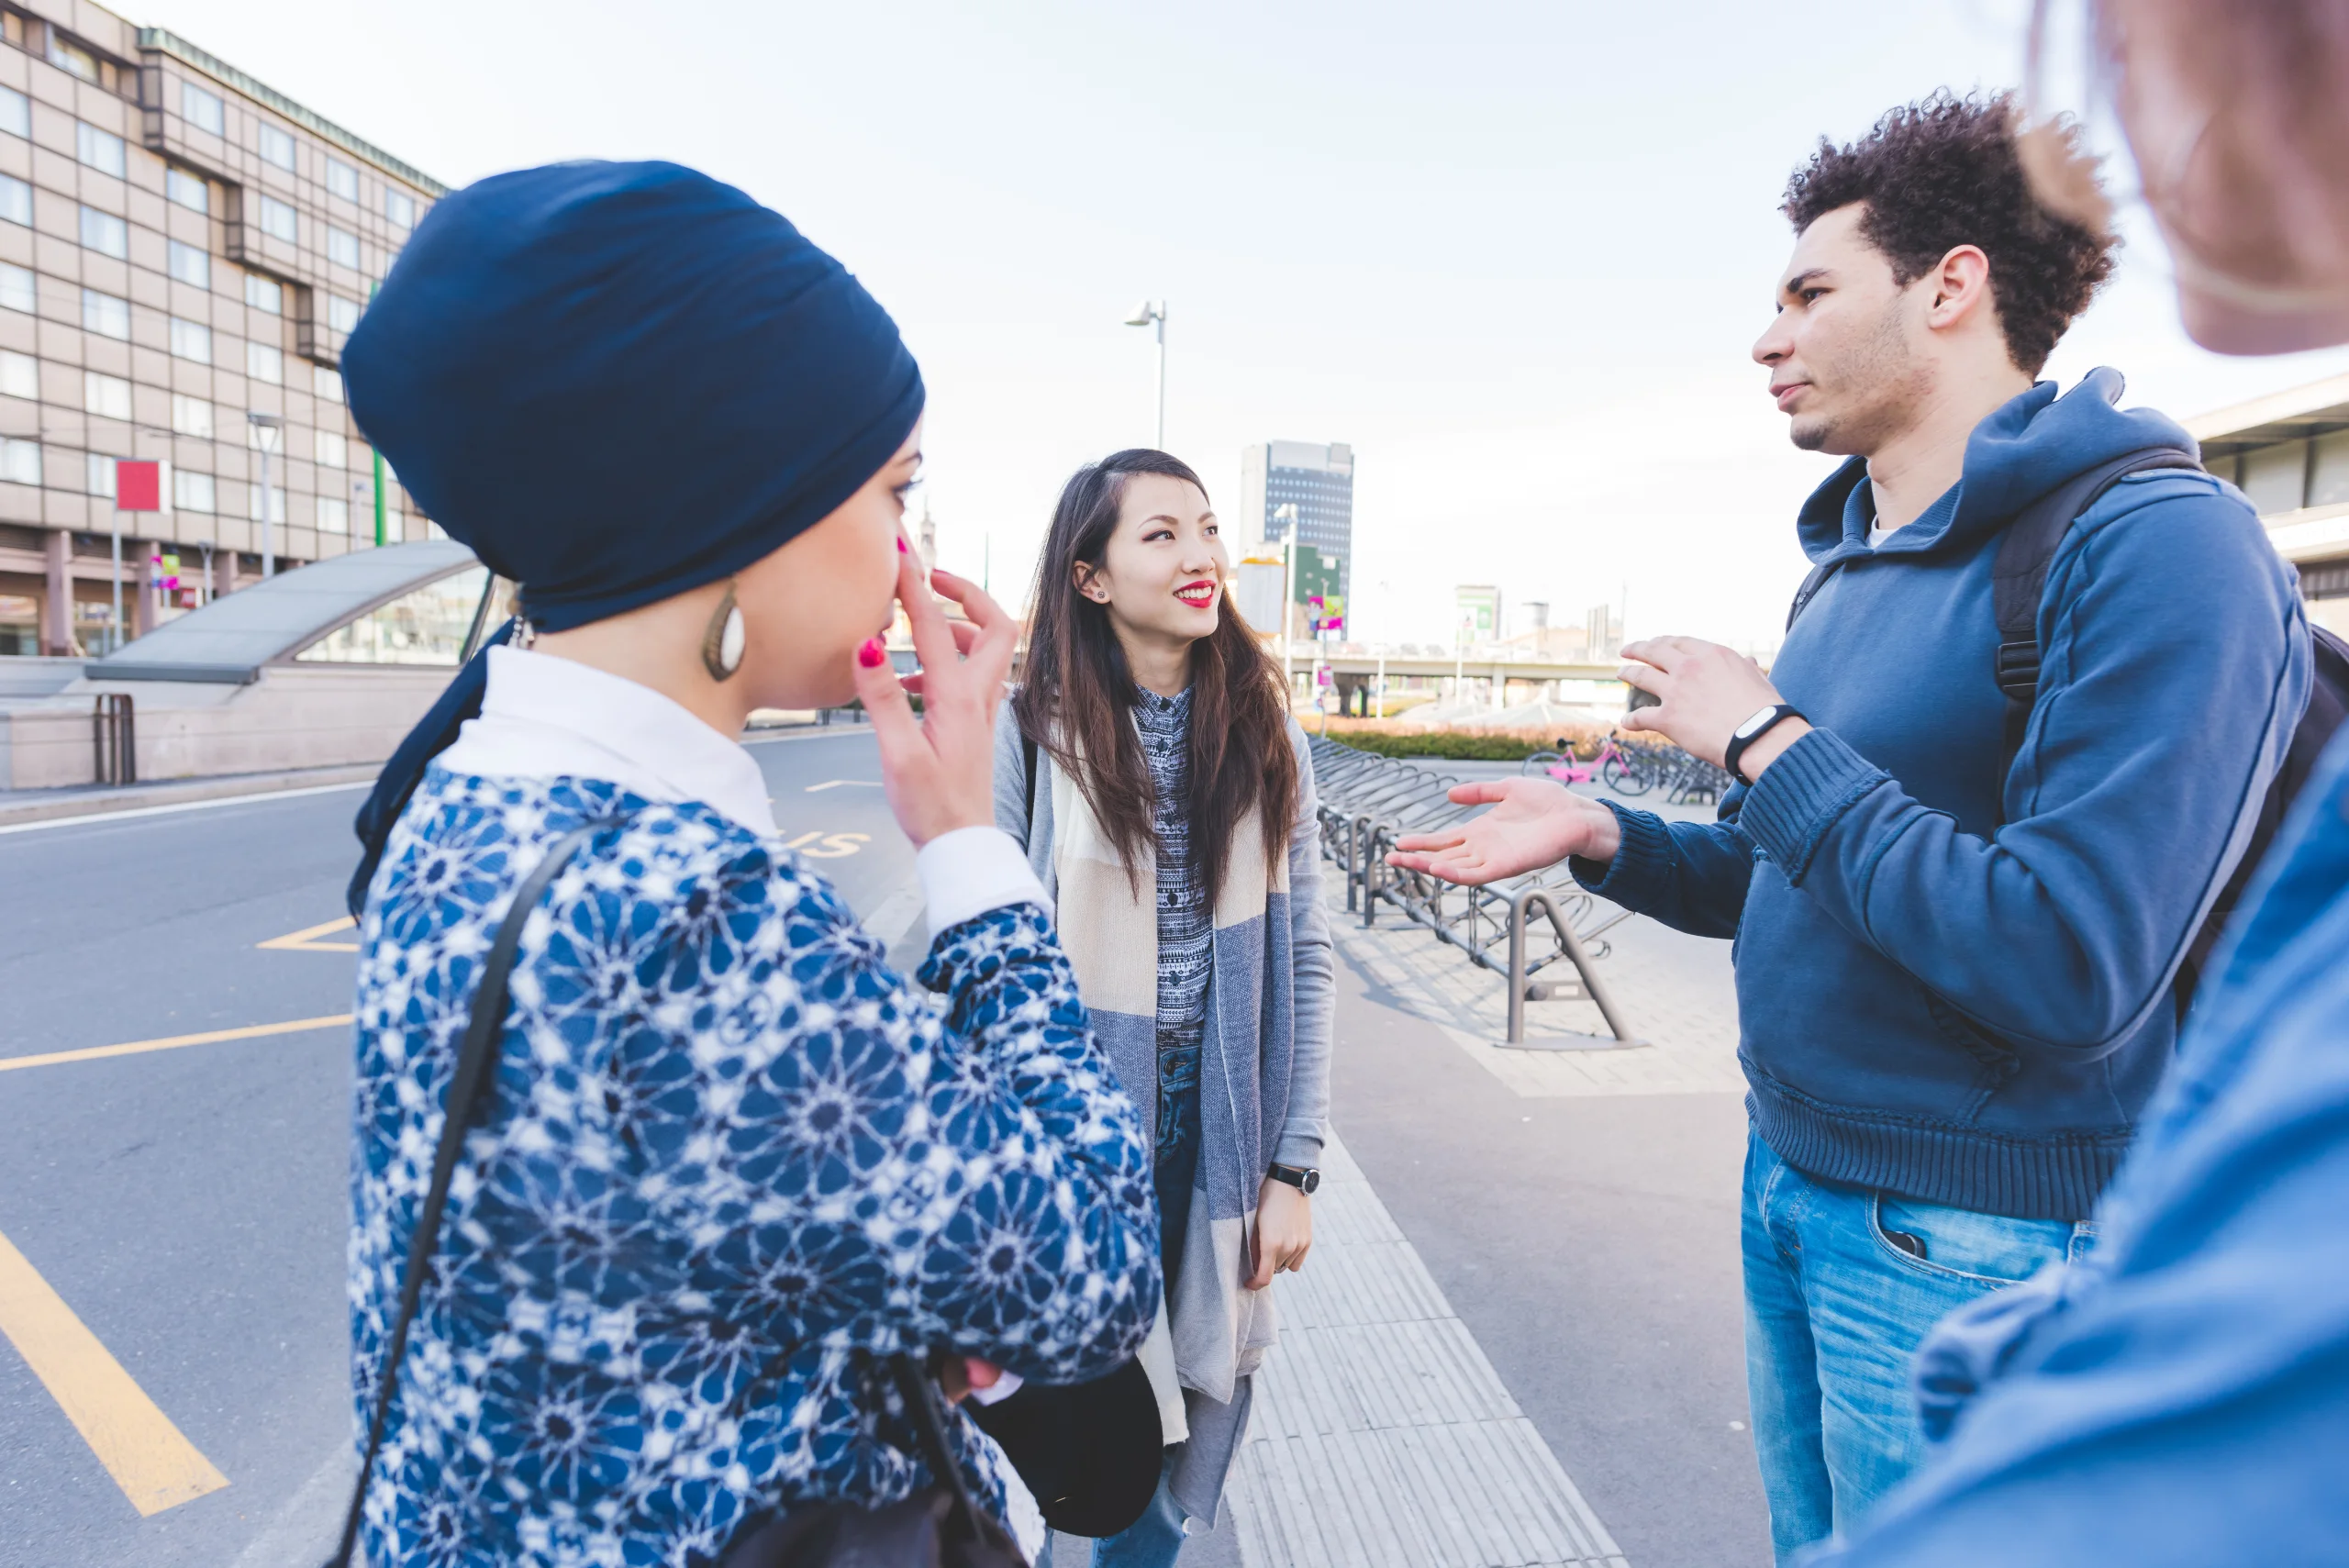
x,y
1154,314
267,428
1286,513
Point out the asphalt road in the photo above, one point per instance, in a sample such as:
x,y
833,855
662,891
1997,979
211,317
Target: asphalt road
x,y
188,1207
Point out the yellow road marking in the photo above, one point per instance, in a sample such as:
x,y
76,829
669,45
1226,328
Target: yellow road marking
x,y
172,1042
306,939
156,1467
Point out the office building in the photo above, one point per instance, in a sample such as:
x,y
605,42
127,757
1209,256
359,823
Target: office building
x,y
2289,453
180,246
1319,482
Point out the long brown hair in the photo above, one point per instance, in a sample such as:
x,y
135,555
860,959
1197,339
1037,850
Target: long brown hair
x,y
1077,697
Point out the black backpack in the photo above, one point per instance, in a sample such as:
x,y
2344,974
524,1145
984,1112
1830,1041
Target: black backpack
x,y
2018,583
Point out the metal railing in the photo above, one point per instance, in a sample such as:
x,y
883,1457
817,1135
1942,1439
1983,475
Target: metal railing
x,y
1368,802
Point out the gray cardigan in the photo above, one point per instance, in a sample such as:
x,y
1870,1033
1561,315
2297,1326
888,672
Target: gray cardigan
x,y
1310,977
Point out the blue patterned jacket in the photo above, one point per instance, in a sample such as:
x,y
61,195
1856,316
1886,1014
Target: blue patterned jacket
x,y
732,1162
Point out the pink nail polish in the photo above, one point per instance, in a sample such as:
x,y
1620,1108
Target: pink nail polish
x,y
872,653
901,547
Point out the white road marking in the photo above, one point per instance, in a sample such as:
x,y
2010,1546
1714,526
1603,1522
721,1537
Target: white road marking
x,y
89,819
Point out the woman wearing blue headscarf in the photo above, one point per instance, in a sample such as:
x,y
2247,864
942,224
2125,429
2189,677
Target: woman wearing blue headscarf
x,y
730,1164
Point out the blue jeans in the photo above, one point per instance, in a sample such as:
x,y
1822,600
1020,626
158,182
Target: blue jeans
x,y
1153,1540
1840,1285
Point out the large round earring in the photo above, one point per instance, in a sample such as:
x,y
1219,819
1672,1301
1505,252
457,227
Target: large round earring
x,y
721,645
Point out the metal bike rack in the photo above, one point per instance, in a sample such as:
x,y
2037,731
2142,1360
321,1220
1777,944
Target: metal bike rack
x,y
1369,801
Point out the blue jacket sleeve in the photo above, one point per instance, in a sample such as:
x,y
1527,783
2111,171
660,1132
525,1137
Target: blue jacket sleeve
x,y
1690,875
2174,668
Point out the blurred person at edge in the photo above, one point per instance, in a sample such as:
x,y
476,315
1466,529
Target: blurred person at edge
x,y
2182,1396
1956,990
1164,796
733,1163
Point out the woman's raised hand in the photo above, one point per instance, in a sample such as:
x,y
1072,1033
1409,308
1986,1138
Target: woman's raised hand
x,y
938,769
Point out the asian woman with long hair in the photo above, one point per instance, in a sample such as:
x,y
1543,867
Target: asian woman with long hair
x,y
1149,765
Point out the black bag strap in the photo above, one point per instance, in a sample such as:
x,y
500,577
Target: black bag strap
x,y
1809,590
919,1389
1028,762
2019,576
465,1085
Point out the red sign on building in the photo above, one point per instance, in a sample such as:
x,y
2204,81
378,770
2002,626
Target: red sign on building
x,y
137,485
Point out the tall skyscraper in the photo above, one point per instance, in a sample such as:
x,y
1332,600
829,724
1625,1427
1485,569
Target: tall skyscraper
x,y
1319,481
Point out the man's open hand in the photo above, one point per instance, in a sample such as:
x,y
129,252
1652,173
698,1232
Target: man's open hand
x,y
1534,823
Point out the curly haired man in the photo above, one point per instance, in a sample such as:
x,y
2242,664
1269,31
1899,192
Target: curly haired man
x,y
1960,913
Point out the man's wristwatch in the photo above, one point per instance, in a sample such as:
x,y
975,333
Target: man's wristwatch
x,y
1753,729
1304,1178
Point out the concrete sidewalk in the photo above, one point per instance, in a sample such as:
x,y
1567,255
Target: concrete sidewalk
x,y
1517,1341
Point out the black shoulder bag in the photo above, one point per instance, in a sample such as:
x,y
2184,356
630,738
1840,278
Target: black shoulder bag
x,y
938,1526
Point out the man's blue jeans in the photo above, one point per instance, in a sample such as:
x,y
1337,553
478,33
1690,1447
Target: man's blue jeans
x,y
1840,1285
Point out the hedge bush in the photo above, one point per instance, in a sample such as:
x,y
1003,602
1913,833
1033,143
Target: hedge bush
x,y
1459,745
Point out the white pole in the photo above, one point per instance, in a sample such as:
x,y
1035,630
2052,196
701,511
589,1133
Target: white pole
x,y
117,578
268,547
1162,376
1382,683
1288,606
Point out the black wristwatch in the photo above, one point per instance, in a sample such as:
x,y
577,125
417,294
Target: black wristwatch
x,y
1753,729
1304,1178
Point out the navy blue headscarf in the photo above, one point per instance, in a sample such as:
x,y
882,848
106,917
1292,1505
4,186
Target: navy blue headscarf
x,y
615,381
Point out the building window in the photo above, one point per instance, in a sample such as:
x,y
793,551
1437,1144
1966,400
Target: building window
x,y
277,218
327,446
342,180
276,147
325,382
105,234
101,149
334,515
265,362
17,290
399,207
105,315
193,491
192,416
190,265
276,502
15,112
16,200
192,341
20,461
265,294
342,247
98,476
72,57
20,374
187,190
105,394
202,110
342,314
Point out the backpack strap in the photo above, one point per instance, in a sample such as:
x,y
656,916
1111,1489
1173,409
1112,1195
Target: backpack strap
x,y
2019,577
1809,590
1028,764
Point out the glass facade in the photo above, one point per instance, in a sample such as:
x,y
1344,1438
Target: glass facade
x,y
427,625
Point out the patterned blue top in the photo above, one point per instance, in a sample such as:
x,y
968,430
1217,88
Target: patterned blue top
x,y
1186,941
731,1160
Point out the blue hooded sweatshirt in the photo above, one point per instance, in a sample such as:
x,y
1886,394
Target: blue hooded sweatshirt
x,y
1955,986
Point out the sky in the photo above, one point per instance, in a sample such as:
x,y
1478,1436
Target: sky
x,y
1515,254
